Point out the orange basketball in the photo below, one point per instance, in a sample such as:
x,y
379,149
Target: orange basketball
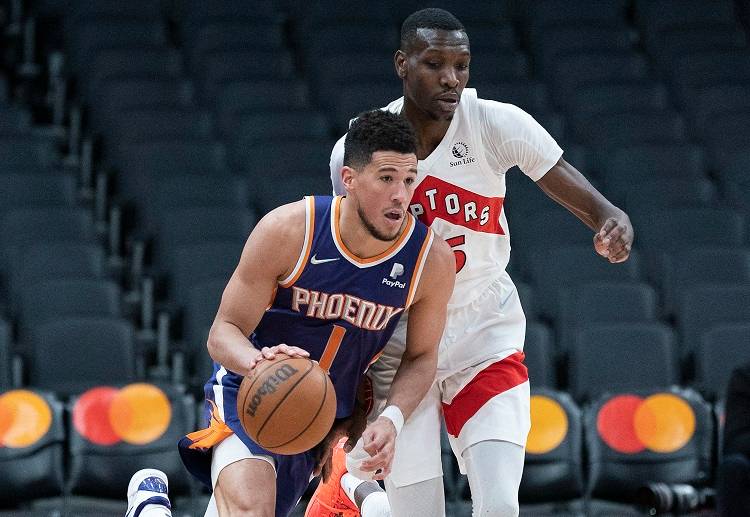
x,y
287,405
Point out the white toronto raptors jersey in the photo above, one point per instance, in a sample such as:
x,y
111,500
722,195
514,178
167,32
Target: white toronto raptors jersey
x,y
461,185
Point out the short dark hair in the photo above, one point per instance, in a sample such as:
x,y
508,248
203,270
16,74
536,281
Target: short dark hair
x,y
430,18
377,130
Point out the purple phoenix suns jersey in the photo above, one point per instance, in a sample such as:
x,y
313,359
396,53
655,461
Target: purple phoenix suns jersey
x,y
339,307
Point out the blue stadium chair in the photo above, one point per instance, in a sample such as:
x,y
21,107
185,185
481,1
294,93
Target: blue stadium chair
x,y
703,307
669,44
653,16
237,98
540,355
635,163
720,350
549,44
55,260
23,153
352,99
633,127
526,294
670,193
643,436
19,190
5,351
24,227
145,9
639,355
190,15
111,63
277,157
707,102
602,303
498,66
333,37
726,132
32,451
199,311
227,34
68,355
105,449
731,167
523,198
603,98
273,192
529,95
15,120
147,125
684,269
48,300
553,470
252,128
575,265
331,72
491,37
192,264
559,12
699,69
225,66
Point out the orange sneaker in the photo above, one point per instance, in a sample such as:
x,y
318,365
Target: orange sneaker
x,y
329,499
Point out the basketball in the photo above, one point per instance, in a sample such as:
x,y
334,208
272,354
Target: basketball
x,y
287,405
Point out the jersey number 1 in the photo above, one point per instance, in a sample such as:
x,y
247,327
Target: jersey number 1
x,y
332,347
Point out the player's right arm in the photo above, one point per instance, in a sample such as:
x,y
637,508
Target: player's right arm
x,y
269,255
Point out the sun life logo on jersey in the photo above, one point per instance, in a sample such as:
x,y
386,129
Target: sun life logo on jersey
x,y
396,271
461,150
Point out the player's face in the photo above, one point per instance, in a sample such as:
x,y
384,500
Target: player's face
x,y
435,70
383,189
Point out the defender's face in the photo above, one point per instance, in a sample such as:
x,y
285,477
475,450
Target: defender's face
x,y
382,190
435,71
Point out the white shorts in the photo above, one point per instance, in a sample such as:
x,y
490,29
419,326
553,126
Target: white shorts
x,y
482,342
231,450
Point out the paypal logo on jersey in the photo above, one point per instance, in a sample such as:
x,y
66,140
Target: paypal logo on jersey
x,y
396,271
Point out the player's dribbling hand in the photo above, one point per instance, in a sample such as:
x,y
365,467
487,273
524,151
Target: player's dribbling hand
x,y
614,239
269,352
380,443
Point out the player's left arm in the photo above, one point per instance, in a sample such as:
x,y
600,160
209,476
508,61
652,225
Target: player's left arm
x,y
416,373
568,187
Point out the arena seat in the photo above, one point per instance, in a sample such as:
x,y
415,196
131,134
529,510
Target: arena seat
x,y
224,66
23,227
669,44
559,12
643,436
31,446
5,351
703,307
653,16
252,128
262,96
14,119
603,98
529,95
632,127
726,131
272,192
670,193
705,103
575,265
171,123
540,355
199,311
527,296
25,190
107,447
634,163
192,264
684,269
68,355
21,153
720,350
492,37
604,302
285,157
48,300
498,66
330,72
554,457
696,70
639,355
353,99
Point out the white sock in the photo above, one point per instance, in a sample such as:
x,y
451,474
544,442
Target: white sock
x,y
350,483
376,505
155,510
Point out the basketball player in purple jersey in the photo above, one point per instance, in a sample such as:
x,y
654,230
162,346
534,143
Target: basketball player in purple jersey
x,y
338,272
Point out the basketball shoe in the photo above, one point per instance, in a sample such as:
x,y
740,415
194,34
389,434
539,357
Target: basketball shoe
x,y
330,499
148,487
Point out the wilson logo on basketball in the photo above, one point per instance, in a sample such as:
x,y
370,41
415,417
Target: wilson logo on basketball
x,y
269,386
438,199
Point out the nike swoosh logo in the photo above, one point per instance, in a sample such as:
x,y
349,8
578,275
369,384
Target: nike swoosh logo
x,y
315,260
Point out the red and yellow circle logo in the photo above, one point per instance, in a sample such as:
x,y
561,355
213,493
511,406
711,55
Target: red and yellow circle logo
x,y
25,418
661,423
136,414
549,425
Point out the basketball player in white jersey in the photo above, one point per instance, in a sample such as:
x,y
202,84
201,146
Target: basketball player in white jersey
x,y
465,146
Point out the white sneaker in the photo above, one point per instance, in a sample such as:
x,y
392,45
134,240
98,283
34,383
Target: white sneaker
x,y
148,487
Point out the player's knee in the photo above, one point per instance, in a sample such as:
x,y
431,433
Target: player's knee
x,y
497,506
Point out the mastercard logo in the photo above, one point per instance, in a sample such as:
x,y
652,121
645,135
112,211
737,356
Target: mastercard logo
x,y
549,425
25,418
661,423
136,414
